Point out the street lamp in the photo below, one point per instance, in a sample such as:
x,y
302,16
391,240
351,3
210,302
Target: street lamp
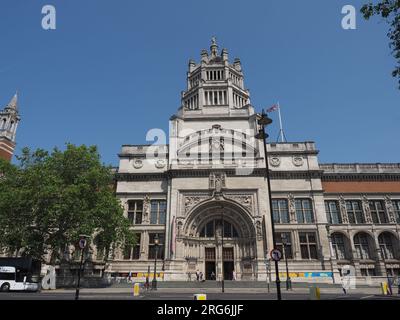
x,y
330,251
222,249
263,121
82,245
288,280
154,282
380,249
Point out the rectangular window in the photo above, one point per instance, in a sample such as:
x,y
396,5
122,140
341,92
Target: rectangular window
x,y
280,210
133,253
308,245
333,212
378,212
159,248
355,212
304,212
158,212
365,272
135,211
284,244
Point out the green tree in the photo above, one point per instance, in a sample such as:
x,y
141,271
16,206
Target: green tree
x,y
49,199
389,10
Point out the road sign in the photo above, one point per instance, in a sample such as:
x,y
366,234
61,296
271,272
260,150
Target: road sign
x,y
82,243
276,255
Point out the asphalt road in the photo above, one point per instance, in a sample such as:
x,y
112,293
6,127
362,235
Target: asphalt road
x,y
177,295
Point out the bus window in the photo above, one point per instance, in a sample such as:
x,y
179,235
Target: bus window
x,y
7,276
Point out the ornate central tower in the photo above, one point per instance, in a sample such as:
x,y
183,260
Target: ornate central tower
x,y
9,119
215,85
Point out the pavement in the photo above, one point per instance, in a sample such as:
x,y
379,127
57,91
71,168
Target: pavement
x,y
332,293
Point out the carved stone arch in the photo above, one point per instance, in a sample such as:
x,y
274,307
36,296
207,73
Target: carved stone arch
x,y
208,209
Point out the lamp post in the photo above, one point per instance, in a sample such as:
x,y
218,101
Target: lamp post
x,y
386,270
263,121
222,250
288,280
330,251
154,282
82,244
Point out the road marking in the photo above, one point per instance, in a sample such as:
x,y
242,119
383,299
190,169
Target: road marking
x,y
366,297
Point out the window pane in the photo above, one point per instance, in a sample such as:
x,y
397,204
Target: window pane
x,y
304,252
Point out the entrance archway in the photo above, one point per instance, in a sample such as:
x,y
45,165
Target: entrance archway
x,y
212,223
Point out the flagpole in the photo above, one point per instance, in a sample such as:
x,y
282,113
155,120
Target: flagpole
x,y
280,123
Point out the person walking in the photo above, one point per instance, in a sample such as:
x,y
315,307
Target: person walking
x,y
212,275
197,275
233,275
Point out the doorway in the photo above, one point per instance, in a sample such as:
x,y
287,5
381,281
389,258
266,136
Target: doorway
x,y
228,270
210,270
210,264
229,266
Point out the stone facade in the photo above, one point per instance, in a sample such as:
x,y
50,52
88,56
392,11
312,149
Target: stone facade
x,y
208,187
9,119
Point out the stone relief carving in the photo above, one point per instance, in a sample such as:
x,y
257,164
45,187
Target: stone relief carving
x,y
146,209
191,201
217,181
343,210
275,161
292,207
137,163
160,164
366,208
259,230
390,209
245,200
297,161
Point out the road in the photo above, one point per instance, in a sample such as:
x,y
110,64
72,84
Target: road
x,y
187,294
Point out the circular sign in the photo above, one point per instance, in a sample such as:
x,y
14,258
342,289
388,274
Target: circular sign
x,y
276,255
82,243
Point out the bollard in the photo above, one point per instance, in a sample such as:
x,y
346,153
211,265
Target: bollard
x,y
200,296
384,288
315,293
136,289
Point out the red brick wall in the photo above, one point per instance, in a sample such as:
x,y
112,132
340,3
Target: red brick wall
x,y
361,186
6,149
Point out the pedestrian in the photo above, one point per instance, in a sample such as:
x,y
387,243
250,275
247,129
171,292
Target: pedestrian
x,y
212,275
233,275
189,276
201,277
197,275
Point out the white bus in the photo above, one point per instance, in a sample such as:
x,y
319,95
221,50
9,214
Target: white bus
x,y
11,281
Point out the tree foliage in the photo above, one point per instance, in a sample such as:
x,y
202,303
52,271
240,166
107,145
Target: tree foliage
x,y
389,10
49,199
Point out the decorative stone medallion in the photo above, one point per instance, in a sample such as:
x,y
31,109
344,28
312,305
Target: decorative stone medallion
x,y
137,163
298,161
275,161
160,163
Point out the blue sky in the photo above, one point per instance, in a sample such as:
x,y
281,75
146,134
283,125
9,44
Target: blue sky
x,y
112,70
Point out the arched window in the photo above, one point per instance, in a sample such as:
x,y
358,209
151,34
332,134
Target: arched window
x,y
361,244
339,247
208,231
386,245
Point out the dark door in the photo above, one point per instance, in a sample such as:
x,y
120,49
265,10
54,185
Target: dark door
x,y
210,270
228,263
210,263
228,270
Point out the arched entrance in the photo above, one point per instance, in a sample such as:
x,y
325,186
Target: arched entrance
x,y
219,238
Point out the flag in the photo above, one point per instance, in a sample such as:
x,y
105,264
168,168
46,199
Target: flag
x,y
273,108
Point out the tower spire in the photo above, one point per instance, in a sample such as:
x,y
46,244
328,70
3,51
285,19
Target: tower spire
x,y
214,47
13,104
